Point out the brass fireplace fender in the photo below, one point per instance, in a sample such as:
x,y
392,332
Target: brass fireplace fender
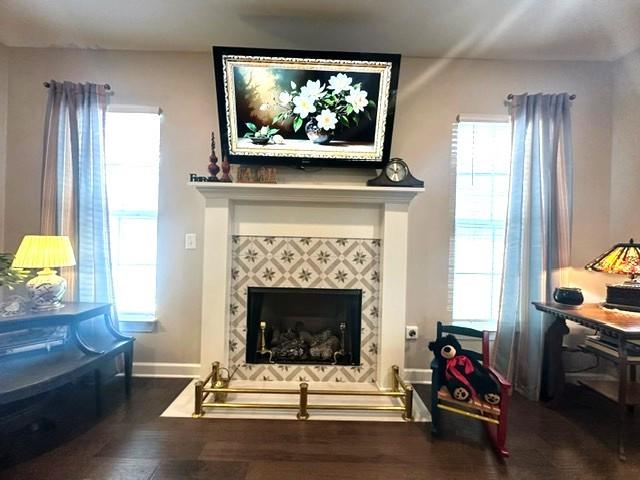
x,y
216,388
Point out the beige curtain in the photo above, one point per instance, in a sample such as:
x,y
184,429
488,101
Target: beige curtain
x,y
538,236
73,158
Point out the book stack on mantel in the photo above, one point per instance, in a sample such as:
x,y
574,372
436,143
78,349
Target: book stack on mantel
x,y
609,345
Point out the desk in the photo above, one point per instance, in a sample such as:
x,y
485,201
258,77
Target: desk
x,y
28,374
620,325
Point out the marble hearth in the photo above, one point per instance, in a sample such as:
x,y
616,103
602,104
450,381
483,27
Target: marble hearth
x,y
305,236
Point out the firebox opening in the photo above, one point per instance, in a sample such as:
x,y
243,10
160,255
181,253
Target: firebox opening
x,y
304,325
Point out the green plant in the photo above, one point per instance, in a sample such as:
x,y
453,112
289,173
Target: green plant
x,y
264,132
11,277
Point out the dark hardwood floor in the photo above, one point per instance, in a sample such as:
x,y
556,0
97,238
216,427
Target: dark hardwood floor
x,y
131,441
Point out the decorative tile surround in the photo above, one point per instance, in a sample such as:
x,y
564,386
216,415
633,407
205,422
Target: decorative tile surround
x,y
302,262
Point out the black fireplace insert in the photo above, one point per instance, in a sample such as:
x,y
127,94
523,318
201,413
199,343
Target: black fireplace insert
x,y
304,325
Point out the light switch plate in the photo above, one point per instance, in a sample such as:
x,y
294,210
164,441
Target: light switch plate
x,y
190,241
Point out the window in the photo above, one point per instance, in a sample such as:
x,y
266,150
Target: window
x,y
132,162
482,156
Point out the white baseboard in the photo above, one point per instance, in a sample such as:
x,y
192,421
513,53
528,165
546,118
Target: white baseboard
x,y
166,370
417,375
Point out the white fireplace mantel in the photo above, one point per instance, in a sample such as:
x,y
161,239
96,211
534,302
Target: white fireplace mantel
x,y
305,210
306,192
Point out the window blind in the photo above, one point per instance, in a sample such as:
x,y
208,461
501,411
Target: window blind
x,y
132,173
481,154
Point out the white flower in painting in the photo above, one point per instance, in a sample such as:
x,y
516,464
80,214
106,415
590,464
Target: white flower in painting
x,y
303,106
326,120
340,82
357,99
293,85
313,90
263,132
278,139
285,98
264,106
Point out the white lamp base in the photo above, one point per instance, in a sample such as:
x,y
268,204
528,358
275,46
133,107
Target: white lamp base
x,y
46,290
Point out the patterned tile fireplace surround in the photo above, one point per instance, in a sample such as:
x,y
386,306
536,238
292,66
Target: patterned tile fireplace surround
x,y
303,262
305,236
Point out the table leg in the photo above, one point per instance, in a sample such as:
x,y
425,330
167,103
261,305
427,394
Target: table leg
x,y
632,379
622,396
552,365
128,370
97,380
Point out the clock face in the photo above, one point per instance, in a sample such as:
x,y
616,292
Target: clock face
x,y
396,171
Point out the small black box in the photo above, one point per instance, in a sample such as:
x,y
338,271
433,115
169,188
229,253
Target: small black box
x,y
621,296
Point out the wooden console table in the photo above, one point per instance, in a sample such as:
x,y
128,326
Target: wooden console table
x,y
25,375
620,325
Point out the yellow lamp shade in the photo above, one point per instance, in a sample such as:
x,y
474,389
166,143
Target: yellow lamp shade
x,y
44,251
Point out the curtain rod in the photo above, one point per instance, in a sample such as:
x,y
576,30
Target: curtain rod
x,y
106,85
510,97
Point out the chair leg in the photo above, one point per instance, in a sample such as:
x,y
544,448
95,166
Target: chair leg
x,y
435,421
500,439
435,411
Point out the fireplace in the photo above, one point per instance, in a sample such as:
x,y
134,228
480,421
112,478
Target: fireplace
x,y
305,236
304,325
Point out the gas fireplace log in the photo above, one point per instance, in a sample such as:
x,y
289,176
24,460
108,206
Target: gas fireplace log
x,y
298,344
326,349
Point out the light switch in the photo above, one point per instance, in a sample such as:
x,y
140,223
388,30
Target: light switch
x,y
189,241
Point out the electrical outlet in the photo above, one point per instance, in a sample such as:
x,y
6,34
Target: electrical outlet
x,y
412,333
189,241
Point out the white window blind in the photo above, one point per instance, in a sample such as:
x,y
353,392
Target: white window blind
x,y
132,162
481,150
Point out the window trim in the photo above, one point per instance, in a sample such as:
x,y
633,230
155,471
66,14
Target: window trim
x,y
137,322
480,117
129,108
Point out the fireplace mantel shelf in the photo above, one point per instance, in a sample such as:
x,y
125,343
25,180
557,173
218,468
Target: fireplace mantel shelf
x,y
301,192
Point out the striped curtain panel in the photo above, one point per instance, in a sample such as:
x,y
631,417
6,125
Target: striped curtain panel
x,y
74,200
538,235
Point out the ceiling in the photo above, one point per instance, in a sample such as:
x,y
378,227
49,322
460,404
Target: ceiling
x,y
497,29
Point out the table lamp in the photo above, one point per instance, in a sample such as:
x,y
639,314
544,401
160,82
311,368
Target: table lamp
x,y
623,259
47,288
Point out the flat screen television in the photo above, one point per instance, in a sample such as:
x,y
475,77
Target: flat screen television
x,y
300,108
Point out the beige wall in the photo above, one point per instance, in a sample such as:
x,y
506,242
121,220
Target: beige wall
x,y
182,85
4,88
431,94
625,153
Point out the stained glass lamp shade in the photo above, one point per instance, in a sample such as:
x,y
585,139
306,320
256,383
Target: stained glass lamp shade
x,y
622,259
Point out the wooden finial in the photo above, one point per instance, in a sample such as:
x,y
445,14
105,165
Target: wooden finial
x,y
226,168
213,160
